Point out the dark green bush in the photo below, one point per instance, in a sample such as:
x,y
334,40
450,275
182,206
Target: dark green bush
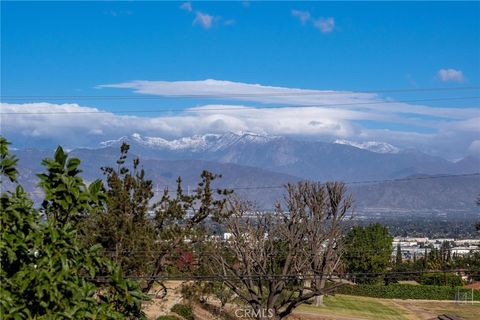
x,y
167,318
184,311
405,291
441,279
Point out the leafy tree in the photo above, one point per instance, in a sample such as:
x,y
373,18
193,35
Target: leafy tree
x,y
425,259
127,234
67,198
8,162
398,257
148,238
367,251
434,259
45,272
441,279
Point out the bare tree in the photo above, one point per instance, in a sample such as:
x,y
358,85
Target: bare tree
x,y
275,262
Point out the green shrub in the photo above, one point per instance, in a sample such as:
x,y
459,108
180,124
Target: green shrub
x,y
184,311
167,318
441,279
45,272
405,291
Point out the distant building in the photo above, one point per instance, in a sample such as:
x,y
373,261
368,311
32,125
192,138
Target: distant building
x,y
417,247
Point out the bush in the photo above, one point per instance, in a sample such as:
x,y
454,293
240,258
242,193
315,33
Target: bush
x,y
45,272
167,318
216,311
405,291
184,311
439,279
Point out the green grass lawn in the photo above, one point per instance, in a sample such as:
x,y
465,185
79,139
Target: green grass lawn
x,y
367,308
373,308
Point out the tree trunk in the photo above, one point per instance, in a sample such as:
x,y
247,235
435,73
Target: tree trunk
x,y
319,299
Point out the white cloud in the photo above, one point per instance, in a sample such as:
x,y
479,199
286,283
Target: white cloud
x,y
304,16
453,75
318,114
203,19
187,6
325,25
203,119
242,91
474,147
347,100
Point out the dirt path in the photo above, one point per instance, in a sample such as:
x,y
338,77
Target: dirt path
x,y
202,314
413,312
301,315
159,307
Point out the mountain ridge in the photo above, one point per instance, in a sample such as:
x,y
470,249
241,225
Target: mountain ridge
x,y
302,158
263,186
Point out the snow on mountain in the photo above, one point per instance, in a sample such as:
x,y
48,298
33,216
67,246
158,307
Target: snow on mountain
x,y
114,142
196,143
373,146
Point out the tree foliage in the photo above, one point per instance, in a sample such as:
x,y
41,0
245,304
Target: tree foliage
x,y
126,235
147,237
368,251
67,198
407,291
398,255
8,162
45,272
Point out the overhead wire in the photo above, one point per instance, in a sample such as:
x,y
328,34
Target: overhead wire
x,y
281,92
295,276
264,107
234,188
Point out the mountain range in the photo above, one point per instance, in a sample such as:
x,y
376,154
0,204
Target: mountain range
x,y
258,165
315,160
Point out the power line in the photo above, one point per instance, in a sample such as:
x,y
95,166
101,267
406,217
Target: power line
x,y
370,181
347,183
359,253
292,276
190,110
298,92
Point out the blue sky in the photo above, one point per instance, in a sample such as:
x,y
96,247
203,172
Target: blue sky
x,y
69,49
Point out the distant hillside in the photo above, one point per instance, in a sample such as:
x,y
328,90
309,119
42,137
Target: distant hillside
x,y
443,193
258,184
307,159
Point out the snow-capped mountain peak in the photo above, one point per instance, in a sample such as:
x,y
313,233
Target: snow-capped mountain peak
x,y
196,143
373,146
110,143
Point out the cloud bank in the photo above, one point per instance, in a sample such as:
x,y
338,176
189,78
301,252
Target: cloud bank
x,y
311,114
